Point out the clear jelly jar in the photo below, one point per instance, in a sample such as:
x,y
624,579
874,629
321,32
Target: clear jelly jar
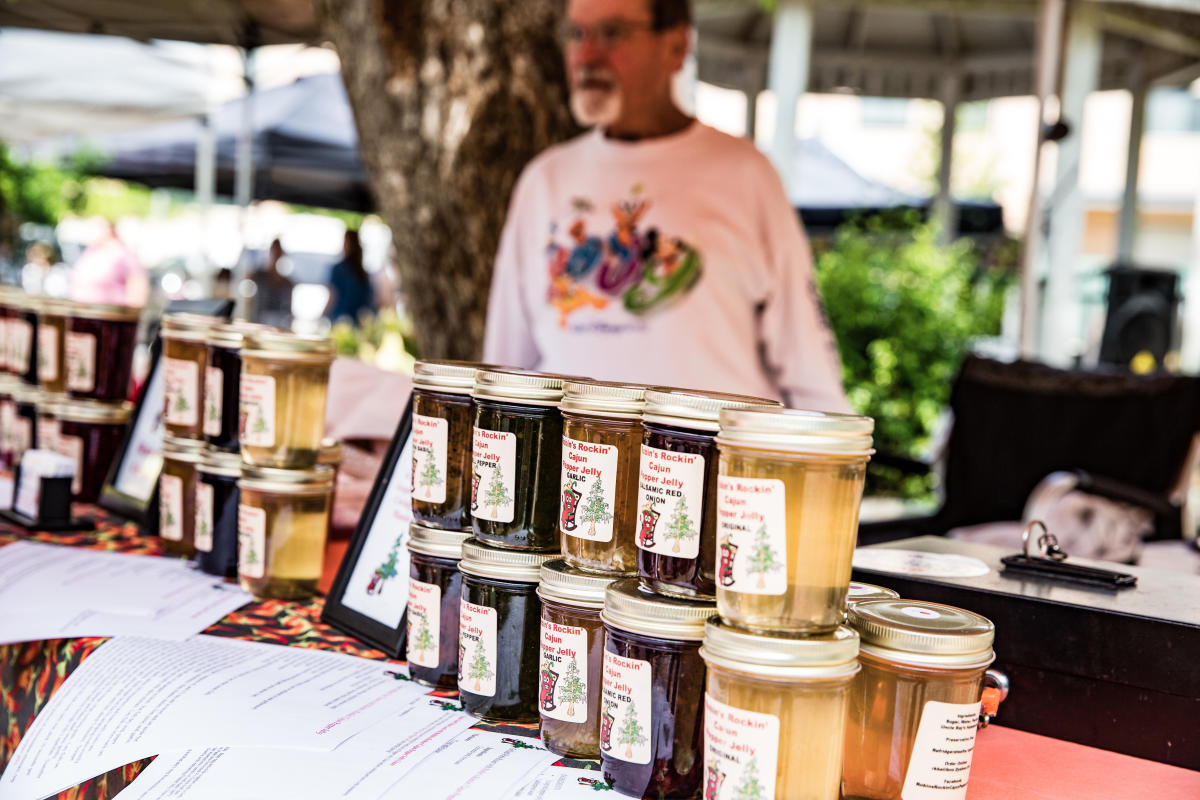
x,y
283,521
788,492
434,600
499,625
914,707
98,349
184,357
177,495
222,375
90,433
677,490
652,695
52,334
572,653
216,527
775,713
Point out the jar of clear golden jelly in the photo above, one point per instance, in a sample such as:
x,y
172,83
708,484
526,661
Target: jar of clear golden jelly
x,y
860,592
283,520
283,386
775,713
434,598
177,495
572,651
788,492
51,338
914,707
184,357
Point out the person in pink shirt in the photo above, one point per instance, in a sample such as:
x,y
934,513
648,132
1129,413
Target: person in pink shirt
x,y
108,272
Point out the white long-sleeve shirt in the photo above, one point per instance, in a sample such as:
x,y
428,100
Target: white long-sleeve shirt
x,y
674,261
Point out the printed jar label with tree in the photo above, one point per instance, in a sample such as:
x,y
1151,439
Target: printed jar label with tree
x,y
181,390
424,621
741,749
670,502
563,689
204,517
80,349
170,507
751,535
589,489
625,709
256,410
20,341
429,436
493,478
252,541
214,385
47,352
477,649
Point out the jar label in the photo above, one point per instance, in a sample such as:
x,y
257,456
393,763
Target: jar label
x,y
47,432
204,517
81,361
72,448
751,535
429,435
741,751
20,340
477,649
256,415
424,621
181,391
22,438
941,757
252,541
214,385
493,475
625,709
563,690
47,352
589,490
670,484
170,501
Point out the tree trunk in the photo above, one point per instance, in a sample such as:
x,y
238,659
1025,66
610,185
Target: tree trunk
x,y
451,99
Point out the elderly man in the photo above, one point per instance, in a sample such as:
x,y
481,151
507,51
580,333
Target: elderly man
x,y
654,248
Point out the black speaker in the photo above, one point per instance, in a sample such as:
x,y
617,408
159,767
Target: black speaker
x,y
1142,306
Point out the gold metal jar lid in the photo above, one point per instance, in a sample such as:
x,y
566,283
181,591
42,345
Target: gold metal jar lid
x,y
833,655
219,462
436,542
860,592
330,453
24,394
630,607
178,448
795,430
232,335
92,411
187,327
603,399
9,295
285,345
688,408
24,301
57,307
521,386
105,311
923,634
565,584
451,377
318,480
485,561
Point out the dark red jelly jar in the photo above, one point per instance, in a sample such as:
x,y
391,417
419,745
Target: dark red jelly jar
x,y
91,434
434,600
99,349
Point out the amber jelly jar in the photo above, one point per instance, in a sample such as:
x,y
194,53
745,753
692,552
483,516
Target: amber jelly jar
x,y
788,492
90,432
52,339
98,348
184,357
434,600
222,375
775,712
914,706
283,521
282,393
177,495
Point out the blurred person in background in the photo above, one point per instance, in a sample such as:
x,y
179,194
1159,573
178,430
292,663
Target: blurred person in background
x,y
223,284
39,258
350,289
109,272
273,291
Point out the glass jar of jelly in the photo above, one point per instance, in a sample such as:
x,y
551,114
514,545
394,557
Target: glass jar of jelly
x,y
8,422
221,380
858,592
775,712
282,392
22,339
434,602
90,433
516,453
25,413
652,692
499,625
184,357
216,527
789,487
52,339
47,421
177,495
572,652
443,416
677,490
914,707
283,521
8,305
99,347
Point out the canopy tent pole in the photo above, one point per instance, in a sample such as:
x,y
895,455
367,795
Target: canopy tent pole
x,y
243,189
205,185
787,78
1189,351
944,212
1127,236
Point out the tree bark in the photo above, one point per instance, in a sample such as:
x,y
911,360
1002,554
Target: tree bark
x,y
451,98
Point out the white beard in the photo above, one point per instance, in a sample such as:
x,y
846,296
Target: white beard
x,y
596,107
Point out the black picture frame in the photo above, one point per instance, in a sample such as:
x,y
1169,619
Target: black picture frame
x,y
390,640
142,510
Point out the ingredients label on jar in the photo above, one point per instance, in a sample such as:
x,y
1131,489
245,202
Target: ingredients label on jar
x,y
563,690
670,502
256,415
424,622
589,490
170,501
625,709
741,750
493,475
214,385
941,757
204,517
751,535
429,435
20,340
72,448
80,349
47,352
252,541
181,392
477,649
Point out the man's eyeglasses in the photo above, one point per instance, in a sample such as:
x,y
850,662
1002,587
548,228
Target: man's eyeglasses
x,y
606,34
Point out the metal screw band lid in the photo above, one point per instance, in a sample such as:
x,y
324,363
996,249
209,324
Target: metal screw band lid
x,y
104,311
435,542
869,591
916,632
795,430
566,584
218,462
330,453
278,344
603,398
485,561
92,411
630,607
519,386
24,393
317,480
232,335
452,377
833,655
688,408
188,327
177,448
62,307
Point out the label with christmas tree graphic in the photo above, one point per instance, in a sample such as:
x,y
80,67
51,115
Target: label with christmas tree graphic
x,y
170,508
494,461
256,413
204,517
670,502
591,471
741,750
72,448
424,622
181,392
214,385
252,541
751,535
476,649
80,349
564,690
625,709
941,756
47,352
429,435
20,341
